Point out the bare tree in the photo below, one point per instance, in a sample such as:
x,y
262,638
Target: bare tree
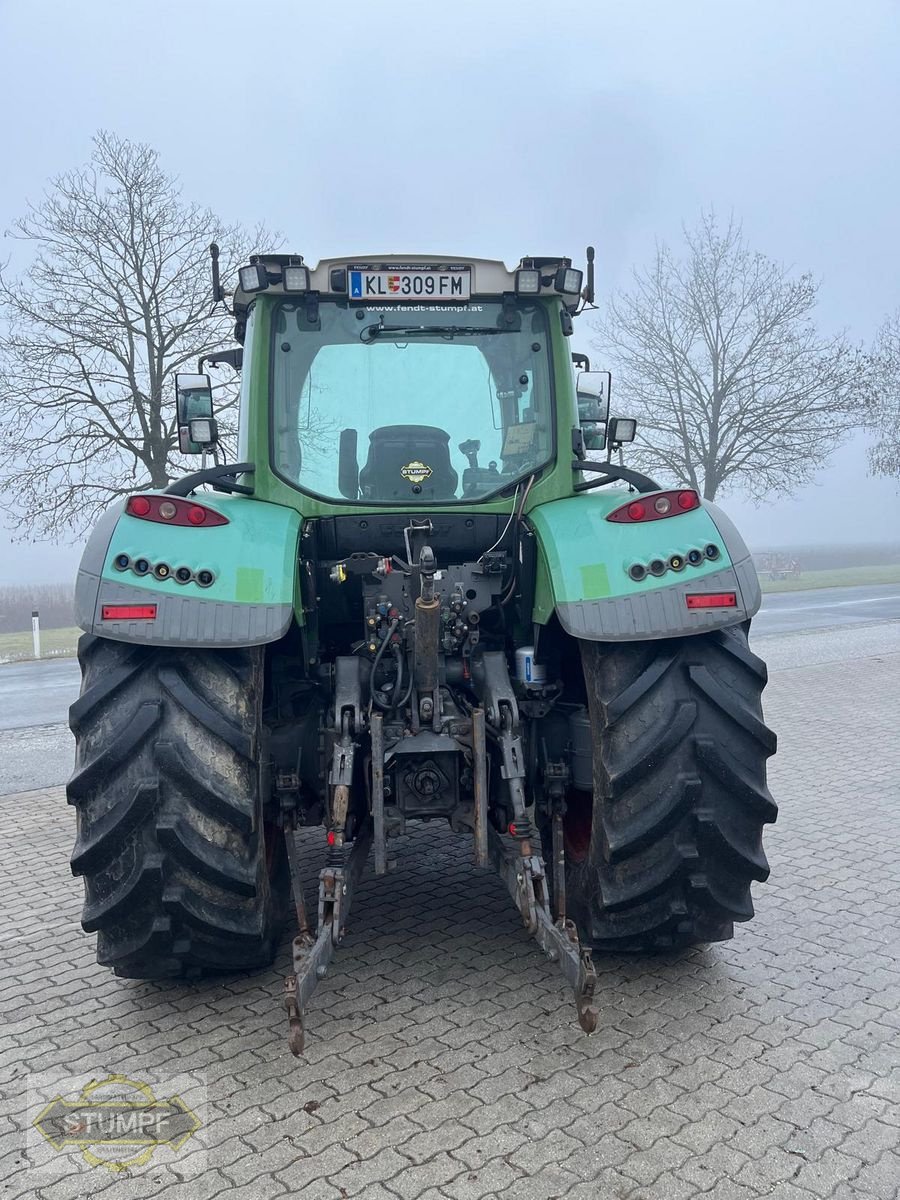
x,y
883,406
115,300
717,354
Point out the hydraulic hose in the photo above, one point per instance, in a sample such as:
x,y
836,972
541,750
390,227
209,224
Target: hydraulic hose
x,y
386,641
398,685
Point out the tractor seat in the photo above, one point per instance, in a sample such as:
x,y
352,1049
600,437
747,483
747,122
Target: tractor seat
x,y
403,458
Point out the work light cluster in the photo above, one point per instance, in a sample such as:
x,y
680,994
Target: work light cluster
x,y
675,562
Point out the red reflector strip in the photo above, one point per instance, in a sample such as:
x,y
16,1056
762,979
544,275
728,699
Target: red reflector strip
x,y
129,612
712,600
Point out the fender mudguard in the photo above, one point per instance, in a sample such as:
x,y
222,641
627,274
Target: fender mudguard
x,y
252,560
584,562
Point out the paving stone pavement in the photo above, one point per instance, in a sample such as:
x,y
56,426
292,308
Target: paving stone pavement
x,y
444,1061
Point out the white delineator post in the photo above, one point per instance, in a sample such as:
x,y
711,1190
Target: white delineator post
x,y
36,632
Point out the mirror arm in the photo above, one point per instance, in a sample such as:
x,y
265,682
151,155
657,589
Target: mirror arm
x,y
611,472
223,479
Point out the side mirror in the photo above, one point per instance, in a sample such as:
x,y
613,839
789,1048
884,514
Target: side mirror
x,y
197,431
348,466
621,429
592,389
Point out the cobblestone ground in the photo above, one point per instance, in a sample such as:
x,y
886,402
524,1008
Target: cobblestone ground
x,y
444,1061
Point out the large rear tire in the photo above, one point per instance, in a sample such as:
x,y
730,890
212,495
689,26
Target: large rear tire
x,y
664,852
181,876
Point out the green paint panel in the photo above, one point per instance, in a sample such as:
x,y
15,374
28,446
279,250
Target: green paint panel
x,y
250,587
595,580
585,557
253,558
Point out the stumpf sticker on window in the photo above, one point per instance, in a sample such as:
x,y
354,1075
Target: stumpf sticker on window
x,y
416,472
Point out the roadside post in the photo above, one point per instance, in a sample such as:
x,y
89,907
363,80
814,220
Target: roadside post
x,y
36,632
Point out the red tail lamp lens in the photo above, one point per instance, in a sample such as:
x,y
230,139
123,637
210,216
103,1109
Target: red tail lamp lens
x,y
172,510
129,612
712,600
656,507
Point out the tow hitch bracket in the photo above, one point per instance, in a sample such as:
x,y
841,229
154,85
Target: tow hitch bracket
x,y
312,955
527,884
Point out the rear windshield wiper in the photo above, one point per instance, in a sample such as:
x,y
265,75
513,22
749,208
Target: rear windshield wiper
x,y
448,332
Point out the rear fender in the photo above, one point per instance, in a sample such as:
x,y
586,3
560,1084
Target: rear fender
x,y
252,559
584,560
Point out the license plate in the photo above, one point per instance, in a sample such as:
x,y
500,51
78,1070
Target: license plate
x,y
410,285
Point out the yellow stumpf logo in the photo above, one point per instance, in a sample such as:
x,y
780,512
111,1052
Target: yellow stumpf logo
x,y
117,1123
416,472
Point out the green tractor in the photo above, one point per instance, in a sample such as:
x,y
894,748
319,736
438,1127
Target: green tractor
x,y
414,596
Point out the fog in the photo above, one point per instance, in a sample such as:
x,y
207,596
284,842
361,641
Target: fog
x,y
499,129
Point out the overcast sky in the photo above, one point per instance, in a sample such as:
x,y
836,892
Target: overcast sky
x,y
498,128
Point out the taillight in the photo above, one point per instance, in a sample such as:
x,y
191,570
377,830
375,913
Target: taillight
x,y
129,612
172,510
712,600
655,507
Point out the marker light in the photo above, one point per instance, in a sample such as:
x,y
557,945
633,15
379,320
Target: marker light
x,y
296,279
253,279
712,600
655,508
173,511
528,282
129,612
568,280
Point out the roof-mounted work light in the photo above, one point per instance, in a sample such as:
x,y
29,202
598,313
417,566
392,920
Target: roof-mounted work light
x,y
528,283
296,279
254,279
568,281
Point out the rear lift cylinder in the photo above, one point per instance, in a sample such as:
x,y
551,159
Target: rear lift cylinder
x,y
428,631
428,627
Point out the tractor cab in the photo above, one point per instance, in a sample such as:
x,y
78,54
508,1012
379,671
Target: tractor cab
x,y
413,384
